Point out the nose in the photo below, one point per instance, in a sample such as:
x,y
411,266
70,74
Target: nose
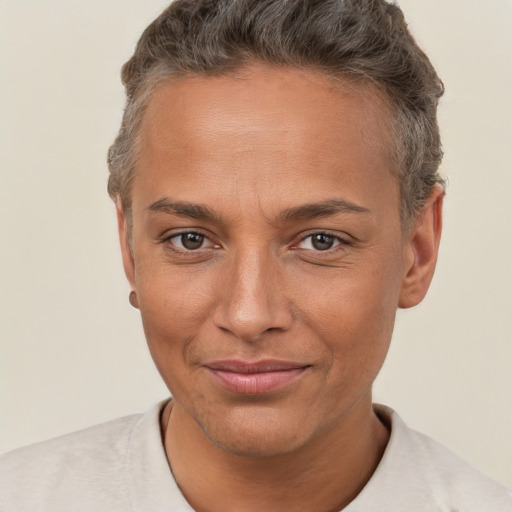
x,y
252,301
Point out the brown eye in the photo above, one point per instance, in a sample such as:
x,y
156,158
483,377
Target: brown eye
x,y
322,242
191,241
188,242
318,242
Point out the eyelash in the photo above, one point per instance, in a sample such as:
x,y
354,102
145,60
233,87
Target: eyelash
x,y
184,251
338,240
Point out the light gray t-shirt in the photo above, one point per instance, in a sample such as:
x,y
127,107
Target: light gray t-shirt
x,y
121,466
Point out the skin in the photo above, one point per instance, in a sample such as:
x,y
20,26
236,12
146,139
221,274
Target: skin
x,y
252,150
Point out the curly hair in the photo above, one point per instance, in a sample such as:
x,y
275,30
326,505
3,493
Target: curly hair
x,y
365,40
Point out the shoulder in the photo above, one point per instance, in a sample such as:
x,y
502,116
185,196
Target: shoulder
x,y
455,482
428,471
83,464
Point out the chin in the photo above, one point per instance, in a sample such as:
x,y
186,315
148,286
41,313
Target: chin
x,y
255,445
252,434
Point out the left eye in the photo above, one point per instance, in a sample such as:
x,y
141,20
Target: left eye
x,y
190,241
320,242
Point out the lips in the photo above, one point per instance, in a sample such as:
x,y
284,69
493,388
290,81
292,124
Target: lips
x,y
251,378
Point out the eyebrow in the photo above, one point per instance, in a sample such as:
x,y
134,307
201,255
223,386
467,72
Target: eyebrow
x,y
302,212
183,209
321,209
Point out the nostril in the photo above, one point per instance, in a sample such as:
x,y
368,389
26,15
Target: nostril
x,y
252,329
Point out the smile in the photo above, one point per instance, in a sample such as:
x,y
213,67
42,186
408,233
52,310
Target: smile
x,y
255,378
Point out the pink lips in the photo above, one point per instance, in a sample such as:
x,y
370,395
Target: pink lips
x,y
255,378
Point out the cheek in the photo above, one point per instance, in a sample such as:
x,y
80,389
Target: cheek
x,y
352,312
174,307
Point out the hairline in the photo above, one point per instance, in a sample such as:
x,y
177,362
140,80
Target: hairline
x,y
161,76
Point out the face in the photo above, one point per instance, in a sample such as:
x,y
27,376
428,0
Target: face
x,y
267,252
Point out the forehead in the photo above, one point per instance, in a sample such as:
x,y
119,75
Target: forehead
x,y
266,100
262,128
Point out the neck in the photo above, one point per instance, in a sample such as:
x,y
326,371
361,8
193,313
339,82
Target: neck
x,y
324,475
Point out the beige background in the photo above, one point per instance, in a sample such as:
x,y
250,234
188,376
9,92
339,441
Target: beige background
x,y
72,349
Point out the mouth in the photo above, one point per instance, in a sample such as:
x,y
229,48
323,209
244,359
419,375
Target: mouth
x,y
252,378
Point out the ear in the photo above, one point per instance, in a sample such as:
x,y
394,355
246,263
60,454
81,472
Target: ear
x,y
126,251
421,249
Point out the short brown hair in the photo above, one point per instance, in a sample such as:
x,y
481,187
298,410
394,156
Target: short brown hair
x,y
365,40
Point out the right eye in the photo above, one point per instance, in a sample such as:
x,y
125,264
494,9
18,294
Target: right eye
x,y
190,241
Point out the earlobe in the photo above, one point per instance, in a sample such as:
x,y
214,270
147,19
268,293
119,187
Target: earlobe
x,y
124,240
421,251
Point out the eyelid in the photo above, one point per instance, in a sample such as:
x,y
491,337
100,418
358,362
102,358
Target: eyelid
x,y
167,238
343,240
